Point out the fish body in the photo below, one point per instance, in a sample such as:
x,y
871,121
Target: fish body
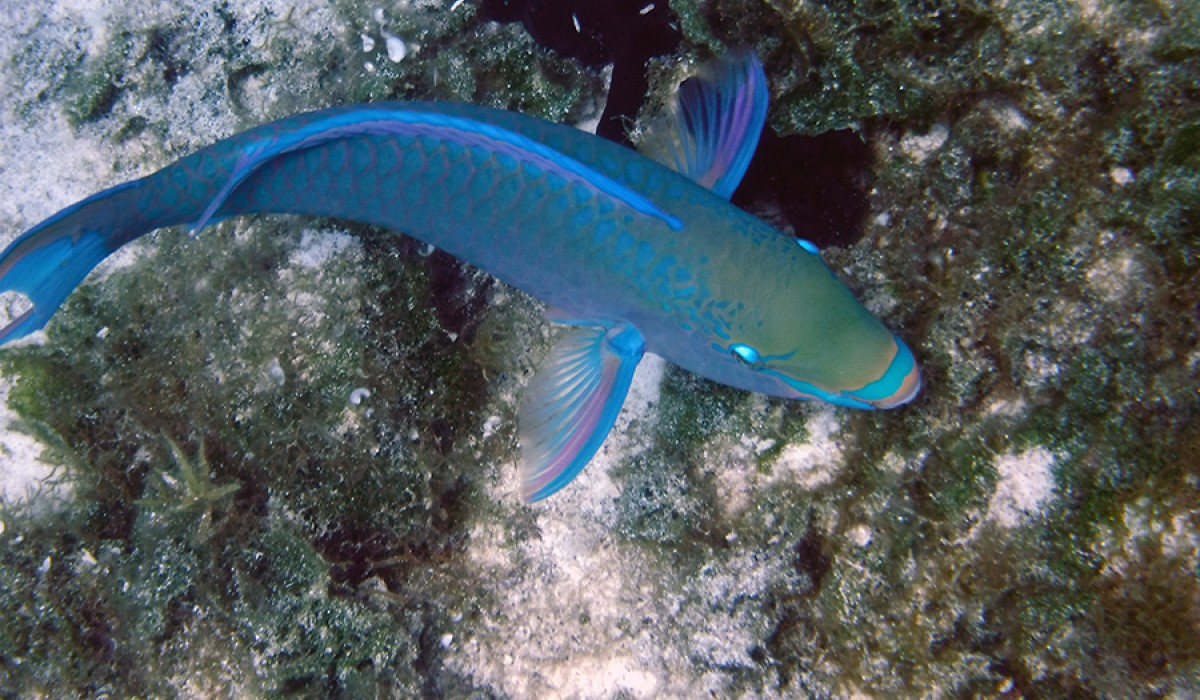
x,y
633,254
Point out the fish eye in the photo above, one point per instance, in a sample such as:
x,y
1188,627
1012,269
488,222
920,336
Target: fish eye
x,y
746,355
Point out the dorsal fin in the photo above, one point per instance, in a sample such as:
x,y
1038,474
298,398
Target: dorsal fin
x,y
712,129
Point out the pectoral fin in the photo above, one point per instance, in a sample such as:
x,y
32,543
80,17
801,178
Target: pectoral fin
x,y
711,131
572,403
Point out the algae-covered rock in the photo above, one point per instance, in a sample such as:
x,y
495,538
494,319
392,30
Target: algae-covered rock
x,y
280,458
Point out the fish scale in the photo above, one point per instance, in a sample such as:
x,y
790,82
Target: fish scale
x,y
476,209
468,206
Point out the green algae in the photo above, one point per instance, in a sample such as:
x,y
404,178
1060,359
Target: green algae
x,y
661,503
46,62
272,441
1020,207
300,555
93,92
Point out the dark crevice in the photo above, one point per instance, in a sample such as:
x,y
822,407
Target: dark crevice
x,y
597,33
816,185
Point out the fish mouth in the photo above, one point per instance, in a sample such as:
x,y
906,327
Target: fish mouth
x,y
796,389
898,385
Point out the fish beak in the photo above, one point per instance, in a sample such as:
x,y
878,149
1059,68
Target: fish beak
x,y
899,384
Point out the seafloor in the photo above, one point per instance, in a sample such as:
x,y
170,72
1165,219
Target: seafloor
x,y
279,459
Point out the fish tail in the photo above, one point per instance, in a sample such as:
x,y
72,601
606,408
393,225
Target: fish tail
x,y
48,261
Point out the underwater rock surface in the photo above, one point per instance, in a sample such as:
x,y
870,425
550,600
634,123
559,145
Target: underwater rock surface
x,y
280,459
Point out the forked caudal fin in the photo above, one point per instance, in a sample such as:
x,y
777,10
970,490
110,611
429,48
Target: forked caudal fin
x,y
48,262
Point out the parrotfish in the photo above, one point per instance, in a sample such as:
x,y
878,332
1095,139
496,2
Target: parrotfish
x,y
632,253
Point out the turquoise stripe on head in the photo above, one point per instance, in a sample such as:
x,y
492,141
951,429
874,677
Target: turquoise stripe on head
x,y
804,390
899,383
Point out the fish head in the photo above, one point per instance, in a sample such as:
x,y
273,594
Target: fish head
x,y
798,332
791,375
